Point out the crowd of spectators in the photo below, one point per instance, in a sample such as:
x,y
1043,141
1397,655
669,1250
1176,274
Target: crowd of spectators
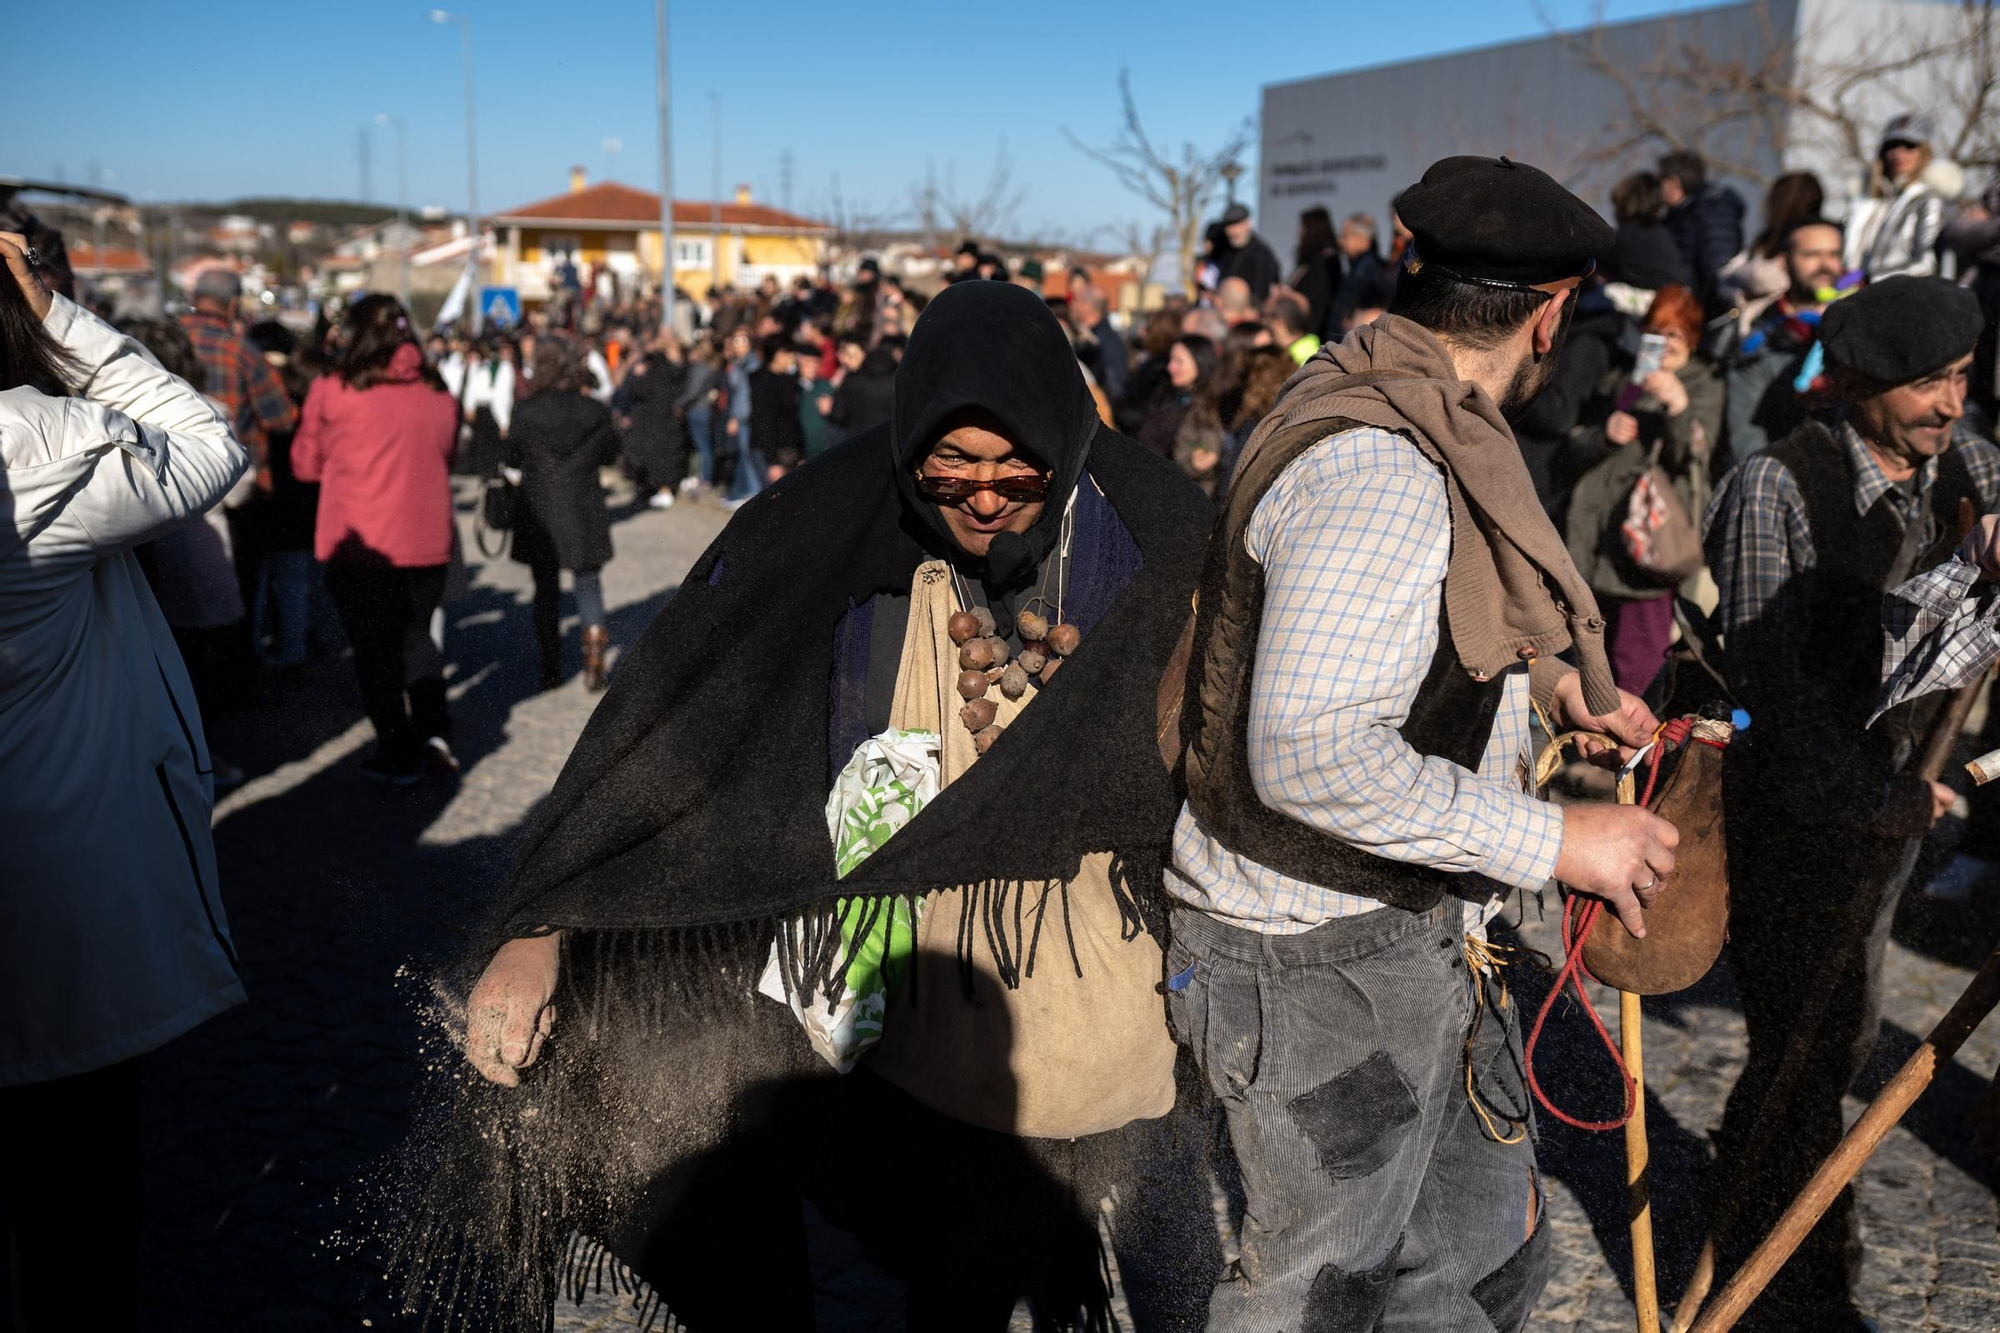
x,y
1690,349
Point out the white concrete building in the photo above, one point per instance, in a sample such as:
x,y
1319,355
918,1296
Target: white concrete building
x,y
1350,141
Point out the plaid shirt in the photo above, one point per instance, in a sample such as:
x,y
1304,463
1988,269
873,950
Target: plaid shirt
x,y
243,382
1354,538
1942,629
1759,542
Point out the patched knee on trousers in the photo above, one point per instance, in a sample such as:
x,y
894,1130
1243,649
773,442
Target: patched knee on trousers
x,y
1346,1300
1508,1294
1356,1120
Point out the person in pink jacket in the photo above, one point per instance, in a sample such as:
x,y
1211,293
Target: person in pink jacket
x,y
377,436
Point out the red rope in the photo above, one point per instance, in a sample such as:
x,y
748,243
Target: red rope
x,y
1671,736
1572,974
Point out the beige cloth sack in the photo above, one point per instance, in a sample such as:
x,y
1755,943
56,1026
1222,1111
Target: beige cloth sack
x,y
1061,1055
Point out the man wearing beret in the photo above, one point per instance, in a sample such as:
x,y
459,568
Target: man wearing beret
x,y
1383,596
1251,257
1804,539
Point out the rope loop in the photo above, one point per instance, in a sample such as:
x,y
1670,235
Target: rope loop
x,y
1577,923
1572,974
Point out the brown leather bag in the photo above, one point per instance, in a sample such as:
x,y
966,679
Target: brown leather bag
x,y
1687,923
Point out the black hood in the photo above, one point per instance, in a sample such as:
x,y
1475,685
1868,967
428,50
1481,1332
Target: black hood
x,y
995,346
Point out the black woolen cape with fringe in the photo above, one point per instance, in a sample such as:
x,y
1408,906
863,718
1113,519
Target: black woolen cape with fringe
x,y
689,823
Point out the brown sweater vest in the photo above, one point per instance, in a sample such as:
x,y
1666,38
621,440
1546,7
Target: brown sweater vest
x,y
1451,718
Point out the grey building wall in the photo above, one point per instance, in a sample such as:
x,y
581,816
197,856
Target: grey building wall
x,y
1835,36
1350,141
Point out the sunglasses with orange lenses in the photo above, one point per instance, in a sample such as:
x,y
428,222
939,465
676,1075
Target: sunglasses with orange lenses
x,y
1024,487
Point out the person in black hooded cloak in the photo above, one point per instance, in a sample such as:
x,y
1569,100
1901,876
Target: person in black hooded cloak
x,y
997,569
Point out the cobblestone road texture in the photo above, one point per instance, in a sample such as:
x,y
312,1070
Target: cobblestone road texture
x,y
266,1128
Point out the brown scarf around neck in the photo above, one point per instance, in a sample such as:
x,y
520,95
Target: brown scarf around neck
x,y
1512,593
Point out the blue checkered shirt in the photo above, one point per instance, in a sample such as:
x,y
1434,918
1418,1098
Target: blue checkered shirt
x,y
1354,538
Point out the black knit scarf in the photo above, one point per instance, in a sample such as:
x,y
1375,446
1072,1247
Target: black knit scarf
x,y
689,822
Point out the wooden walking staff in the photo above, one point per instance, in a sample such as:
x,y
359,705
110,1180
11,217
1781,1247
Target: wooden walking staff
x,y
1937,753
1684,936
1837,1171
1638,1188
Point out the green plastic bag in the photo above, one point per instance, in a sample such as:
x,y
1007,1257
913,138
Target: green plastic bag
x,y
890,778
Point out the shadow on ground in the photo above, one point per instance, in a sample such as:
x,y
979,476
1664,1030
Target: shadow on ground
x,y
266,1128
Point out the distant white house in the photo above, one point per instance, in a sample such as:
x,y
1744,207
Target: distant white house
x,y
388,238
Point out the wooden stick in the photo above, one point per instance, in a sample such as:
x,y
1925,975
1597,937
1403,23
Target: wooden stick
x,y
1937,753
1638,1188
1945,735
1639,1206
1833,1176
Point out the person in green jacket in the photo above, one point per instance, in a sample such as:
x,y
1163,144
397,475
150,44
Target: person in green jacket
x,y
815,400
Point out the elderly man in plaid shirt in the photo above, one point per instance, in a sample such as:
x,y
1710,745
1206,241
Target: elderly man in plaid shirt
x,y
238,376
1804,540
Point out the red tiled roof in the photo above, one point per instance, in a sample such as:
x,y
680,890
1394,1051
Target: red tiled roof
x,y
82,254
612,202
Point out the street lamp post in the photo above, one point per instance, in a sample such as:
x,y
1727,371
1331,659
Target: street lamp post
x,y
666,174
1230,172
402,206
471,159
715,204
97,244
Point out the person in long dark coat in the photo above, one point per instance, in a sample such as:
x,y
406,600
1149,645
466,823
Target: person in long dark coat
x,y
774,408
672,1118
1316,271
656,441
560,437
867,396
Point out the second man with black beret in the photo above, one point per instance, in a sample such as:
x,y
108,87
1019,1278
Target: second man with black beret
x,y
1803,539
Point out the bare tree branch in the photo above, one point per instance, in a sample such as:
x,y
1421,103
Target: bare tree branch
x,y
856,229
1745,110
1147,244
944,214
1179,186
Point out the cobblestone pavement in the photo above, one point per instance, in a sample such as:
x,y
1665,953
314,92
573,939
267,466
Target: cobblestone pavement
x,y
1926,1202
266,1127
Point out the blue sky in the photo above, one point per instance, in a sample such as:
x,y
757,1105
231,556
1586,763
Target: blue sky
x,y
177,101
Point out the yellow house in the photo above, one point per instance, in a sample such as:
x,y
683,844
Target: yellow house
x,y
611,232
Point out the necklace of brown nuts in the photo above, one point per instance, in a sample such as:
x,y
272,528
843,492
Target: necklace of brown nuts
x,y
983,655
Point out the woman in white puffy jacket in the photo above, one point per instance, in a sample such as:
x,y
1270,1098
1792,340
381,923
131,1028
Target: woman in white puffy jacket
x,y
112,935
1894,228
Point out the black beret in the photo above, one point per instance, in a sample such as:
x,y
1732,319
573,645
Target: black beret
x,y
1234,214
1501,221
1900,329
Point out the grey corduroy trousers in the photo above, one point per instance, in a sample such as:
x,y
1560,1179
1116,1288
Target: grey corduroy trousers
x,y
1373,1194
